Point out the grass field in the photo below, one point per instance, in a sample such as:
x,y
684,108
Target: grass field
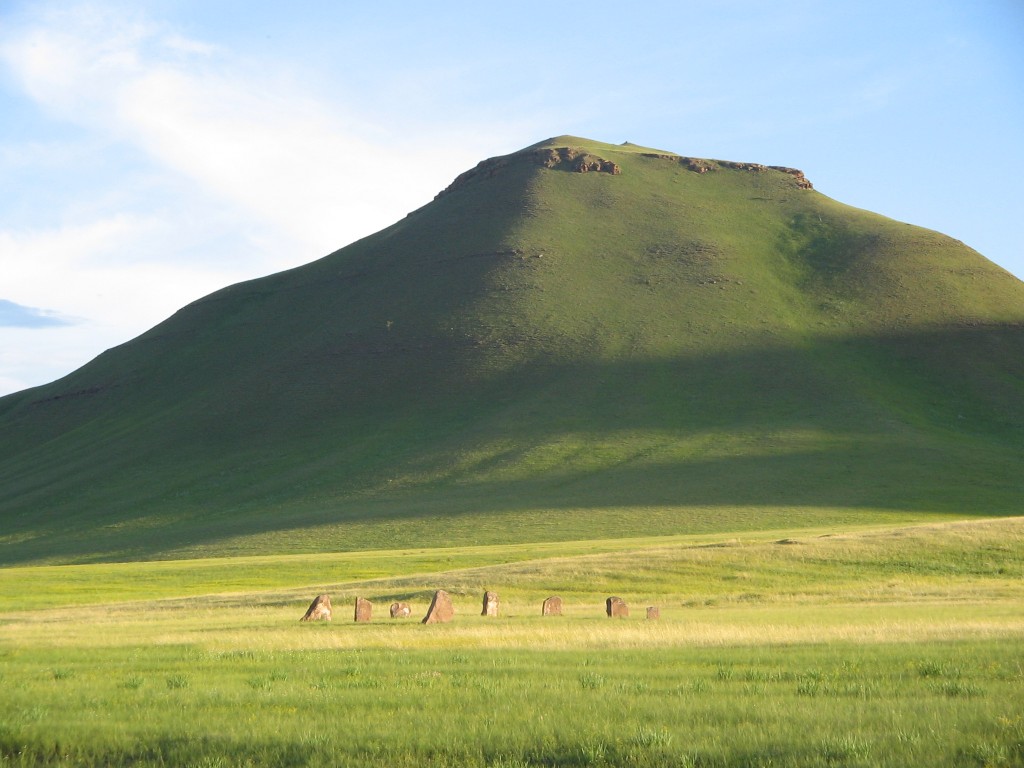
x,y
886,646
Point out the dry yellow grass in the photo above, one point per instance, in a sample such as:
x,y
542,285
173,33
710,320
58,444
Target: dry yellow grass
x,y
929,582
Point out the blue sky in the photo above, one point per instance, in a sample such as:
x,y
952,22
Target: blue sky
x,y
156,150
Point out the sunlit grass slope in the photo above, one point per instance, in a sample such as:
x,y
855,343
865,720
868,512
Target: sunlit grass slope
x,y
659,345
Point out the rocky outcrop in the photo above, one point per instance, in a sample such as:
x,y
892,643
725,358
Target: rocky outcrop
x,y
699,165
798,176
561,158
319,609
580,161
696,164
799,179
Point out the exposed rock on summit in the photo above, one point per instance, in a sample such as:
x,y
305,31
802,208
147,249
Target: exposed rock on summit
x,y
801,181
699,165
561,158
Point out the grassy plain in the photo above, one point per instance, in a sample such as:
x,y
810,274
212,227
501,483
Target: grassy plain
x,y
887,646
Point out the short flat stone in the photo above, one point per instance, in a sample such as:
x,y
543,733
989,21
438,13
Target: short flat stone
x,y
552,606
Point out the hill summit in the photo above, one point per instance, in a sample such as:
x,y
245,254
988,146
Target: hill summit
x,y
574,340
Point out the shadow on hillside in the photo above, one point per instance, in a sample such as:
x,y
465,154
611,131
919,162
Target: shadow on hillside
x,y
916,422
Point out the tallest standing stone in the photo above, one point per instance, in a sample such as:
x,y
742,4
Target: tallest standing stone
x,y
441,609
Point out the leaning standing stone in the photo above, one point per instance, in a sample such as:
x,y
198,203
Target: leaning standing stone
x,y
490,604
364,609
552,606
319,609
653,612
400,611
441,609
616,607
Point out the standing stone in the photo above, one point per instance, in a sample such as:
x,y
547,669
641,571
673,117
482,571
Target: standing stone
x,y
616,608
490,604
364,609
319,609
441,609
552,606
400,611
653,612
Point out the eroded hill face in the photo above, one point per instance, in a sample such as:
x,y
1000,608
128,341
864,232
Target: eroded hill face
x,y
563,335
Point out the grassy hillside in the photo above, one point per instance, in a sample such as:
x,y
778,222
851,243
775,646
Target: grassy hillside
x,y
659,345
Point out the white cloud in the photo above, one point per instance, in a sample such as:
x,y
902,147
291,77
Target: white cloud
x,y
280,156
254,136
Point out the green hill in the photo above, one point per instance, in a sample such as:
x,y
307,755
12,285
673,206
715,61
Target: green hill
x,y
575,340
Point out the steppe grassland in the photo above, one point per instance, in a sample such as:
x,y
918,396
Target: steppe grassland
x,y
898,646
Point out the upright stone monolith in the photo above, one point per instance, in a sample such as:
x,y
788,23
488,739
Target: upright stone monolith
x,y
490,604
319,609
653,612
616,608
400,610
364,609
441,609
552,606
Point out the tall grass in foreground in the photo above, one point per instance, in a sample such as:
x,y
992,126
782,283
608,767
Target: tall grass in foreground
x,y
876,704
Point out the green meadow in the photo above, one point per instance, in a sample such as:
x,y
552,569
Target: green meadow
x,y
795,427
883,645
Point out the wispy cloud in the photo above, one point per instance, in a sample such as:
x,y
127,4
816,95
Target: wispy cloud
x,y
252,135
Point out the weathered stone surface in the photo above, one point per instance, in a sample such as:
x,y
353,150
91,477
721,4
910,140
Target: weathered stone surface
x,y
552,606
490,604
653,612
588,163
364,609
400,610
441,609
564,158
696,164
616,608
319,609
802,182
